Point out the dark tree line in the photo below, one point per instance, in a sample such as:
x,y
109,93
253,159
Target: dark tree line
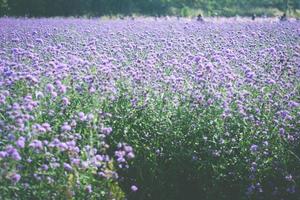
x,y
48,8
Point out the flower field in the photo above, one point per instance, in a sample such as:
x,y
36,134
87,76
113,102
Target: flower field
x,y
149,109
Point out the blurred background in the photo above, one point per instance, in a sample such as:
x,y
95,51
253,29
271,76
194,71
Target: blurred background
x,y
115,8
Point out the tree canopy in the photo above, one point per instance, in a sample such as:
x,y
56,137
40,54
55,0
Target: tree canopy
x,y
49,8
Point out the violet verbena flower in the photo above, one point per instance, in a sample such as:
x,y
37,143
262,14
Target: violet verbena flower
x,y
3,154
281,131
11,151
15,177
254,148
106,130
20,142
90,117
68,167
81,116
62,88
291,189
89,189
66,127
65,101
293,104
134,188
49,87
289,177
46,126
44,167
36,144
130,155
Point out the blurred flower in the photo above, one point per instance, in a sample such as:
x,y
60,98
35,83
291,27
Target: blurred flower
x,y
90,117
134,188
289,177
106,130
66,127
11,151
49,88
36,144
89,189
254,148
21,142
67,167
15,177
291,189
3,154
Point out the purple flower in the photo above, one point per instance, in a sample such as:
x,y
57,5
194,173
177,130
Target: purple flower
x,y
20,142
75,161
128,149
134,188
90,117
11,137
39,95
13,153
106,131
291,189
121,160
281,131
68,167
253,148
62,146
289,177
71,143
62,88
50,87
266,143
130,155
46,126
15,177
66,127
36,144
250,189
99,158
293,104
253,166
284,114
85,164
89,189
3,154
54,94
92,90
65,101
39,40
81,116
44,167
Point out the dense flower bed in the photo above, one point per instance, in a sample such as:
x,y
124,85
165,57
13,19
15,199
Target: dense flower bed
x,y
149,109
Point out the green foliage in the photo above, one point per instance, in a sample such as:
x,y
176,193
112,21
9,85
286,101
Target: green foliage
x,y
182,151
55,182
185,12
36,8
175,143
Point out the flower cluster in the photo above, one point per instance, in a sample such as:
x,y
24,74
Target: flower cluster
x,y
189,105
